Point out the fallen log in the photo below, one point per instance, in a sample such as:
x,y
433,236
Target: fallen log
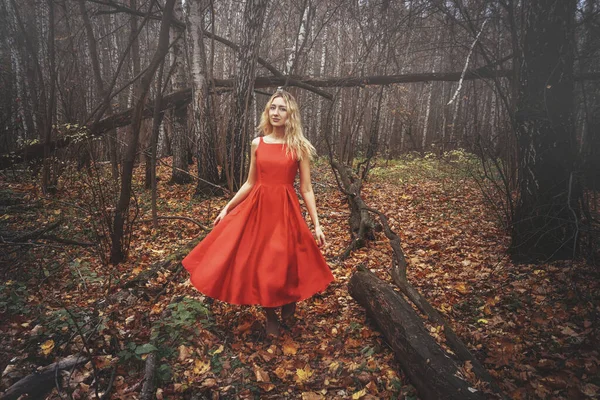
x,y
183,97
398,272
430,369
36,385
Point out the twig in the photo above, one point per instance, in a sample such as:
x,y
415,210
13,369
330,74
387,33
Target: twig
x,y
182,218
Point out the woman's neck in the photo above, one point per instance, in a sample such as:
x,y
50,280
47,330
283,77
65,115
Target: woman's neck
x,y
278,132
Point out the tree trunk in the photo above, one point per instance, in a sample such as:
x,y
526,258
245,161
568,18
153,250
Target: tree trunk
x,y
203,122
179,122
37,384
546,217
51,101
431,371
99,83
118,251
243,87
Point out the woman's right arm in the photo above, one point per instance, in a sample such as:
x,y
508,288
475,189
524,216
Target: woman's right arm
x,y
246,187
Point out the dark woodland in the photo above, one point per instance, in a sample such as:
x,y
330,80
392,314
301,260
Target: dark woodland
x,y
457,180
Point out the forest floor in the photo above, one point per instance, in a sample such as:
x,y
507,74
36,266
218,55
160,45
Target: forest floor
x,y
535,327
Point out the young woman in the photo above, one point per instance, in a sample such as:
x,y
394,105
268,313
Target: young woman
x,y
261,250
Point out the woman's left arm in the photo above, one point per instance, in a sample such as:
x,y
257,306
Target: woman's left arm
x,y
308,195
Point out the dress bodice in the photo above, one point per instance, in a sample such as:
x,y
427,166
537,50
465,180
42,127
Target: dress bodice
x,y
273,165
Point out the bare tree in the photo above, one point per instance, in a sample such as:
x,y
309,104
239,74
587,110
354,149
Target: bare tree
x,y
118,251
238,126
203,119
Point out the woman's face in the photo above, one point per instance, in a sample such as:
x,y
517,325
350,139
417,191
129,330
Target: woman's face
x,y
278,112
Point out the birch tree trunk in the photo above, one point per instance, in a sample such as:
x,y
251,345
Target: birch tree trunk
x,y
99,83
203,122
180,139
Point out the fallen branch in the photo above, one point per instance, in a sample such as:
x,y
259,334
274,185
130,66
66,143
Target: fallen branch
x,y
37,233
431,371
193,221
148,388
365,291
36,385
183,97
360,222
57,239
398,273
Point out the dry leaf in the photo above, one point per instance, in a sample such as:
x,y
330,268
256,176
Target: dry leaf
x,y
209,382
334,367
47,347
590,390
266,386
201,367
462,288
219,349
304,374
311,396
280,372
184,353
290,348
261,375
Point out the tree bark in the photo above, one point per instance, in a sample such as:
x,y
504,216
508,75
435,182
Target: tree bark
x,y
181,137
49,114
204,125
99,83
546,216
431,371
238,128
37,384
118,252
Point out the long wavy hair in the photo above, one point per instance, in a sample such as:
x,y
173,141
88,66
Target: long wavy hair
x,y
297,145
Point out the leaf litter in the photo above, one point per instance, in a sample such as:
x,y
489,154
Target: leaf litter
x,y
534,327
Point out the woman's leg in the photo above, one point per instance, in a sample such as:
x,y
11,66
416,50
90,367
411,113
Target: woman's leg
x,y
288,310
272,321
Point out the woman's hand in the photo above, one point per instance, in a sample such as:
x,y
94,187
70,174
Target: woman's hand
x,y
320,236
221,215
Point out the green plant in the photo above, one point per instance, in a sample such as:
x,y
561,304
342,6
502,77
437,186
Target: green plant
x,y
13,296
178,325
183,319
82,271
136,351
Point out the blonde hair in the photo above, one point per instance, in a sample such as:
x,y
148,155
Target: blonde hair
x,y
297,145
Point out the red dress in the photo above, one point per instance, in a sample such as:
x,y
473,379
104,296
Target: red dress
x,y
262,252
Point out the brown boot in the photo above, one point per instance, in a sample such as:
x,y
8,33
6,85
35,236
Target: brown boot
x,y
272,325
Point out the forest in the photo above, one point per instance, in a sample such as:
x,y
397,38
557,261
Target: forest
x,y
457,181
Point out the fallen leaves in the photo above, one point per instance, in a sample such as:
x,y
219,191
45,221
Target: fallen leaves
x,y
536,335
47,347
303,375
290,348
261,375
201,367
